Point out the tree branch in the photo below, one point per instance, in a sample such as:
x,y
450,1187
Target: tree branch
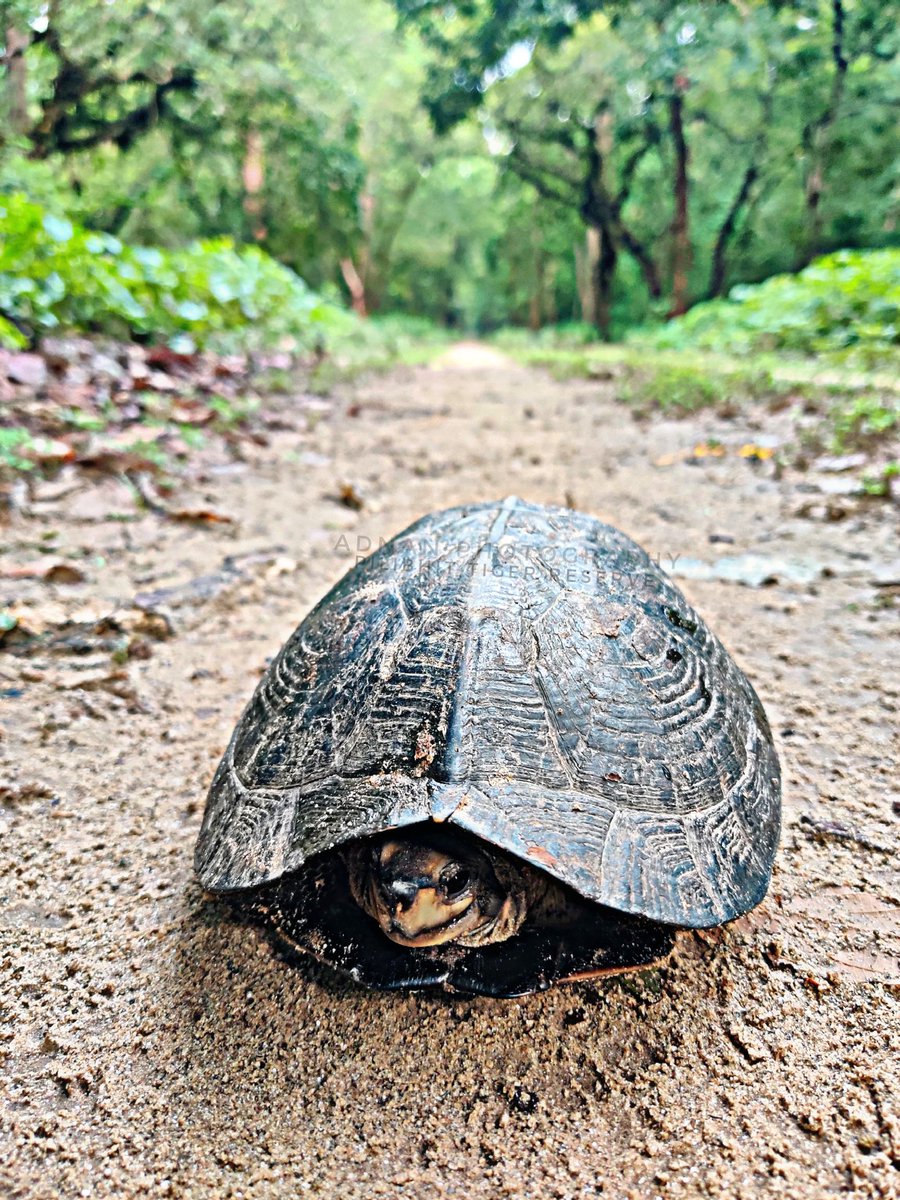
x,y
67,130
718,264
631,164
601,210
526,170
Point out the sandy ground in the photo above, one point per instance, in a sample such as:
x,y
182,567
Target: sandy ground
x,y
152,1045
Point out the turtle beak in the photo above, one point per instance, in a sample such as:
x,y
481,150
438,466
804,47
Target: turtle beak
x,y
413,903
421,914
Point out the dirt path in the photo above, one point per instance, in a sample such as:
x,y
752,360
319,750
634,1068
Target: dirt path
x,y
151,1045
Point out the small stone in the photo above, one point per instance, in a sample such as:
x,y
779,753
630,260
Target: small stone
x,y
60,353
105,368
837,463
29,369
77,376
159,381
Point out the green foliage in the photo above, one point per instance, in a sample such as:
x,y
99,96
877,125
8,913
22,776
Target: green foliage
x,y
786,116
675,389
233,413
672,381
54,274
20,450
565,335
76,418
309,130
879,484
846,300
679,388
14,445
376,345
862,422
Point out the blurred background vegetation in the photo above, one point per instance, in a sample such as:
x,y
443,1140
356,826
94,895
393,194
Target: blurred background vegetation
x,y
184,171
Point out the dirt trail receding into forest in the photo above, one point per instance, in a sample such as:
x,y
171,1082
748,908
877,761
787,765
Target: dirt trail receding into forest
x,y
152,1045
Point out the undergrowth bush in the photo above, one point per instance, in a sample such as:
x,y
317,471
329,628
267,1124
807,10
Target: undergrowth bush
x,y
563,335
864,421
56,274
847,301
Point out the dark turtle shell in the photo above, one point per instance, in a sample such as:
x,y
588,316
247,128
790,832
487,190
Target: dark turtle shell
x,y
529,674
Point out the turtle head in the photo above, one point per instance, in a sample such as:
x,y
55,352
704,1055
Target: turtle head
x,y
430,885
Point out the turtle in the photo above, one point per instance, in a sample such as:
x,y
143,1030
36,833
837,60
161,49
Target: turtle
x,y
501,753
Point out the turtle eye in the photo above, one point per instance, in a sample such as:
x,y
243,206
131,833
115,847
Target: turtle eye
x,y
455,879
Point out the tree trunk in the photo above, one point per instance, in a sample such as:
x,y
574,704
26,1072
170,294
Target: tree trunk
x,y
681,244
813,200
535,299
380,236
366,250
355,286
586,256
604,278
16,77
605,228
817,138
253,175
548,292
719,267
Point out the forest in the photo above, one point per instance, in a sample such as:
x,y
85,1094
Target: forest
x,y
475,165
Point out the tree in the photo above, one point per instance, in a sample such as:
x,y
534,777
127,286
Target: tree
x,y
112,88
617,160
712,106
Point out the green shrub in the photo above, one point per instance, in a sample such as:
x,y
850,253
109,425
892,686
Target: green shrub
x,y
674,389
879,484
55,274
564,335
377,344
14,443
21,451
864,422
845,301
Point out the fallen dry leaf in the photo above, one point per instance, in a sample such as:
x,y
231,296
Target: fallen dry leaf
x,y
64,572
115,462
350,497
192,414
94,681
751,450
230,364
166,358
13,792
199,516
28,369
152,499
116,683
49,452
57,571
701,450
105,499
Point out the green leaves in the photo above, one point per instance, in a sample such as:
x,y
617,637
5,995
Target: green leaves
x,y
13,445
58,229
863,421
54,273
847,300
